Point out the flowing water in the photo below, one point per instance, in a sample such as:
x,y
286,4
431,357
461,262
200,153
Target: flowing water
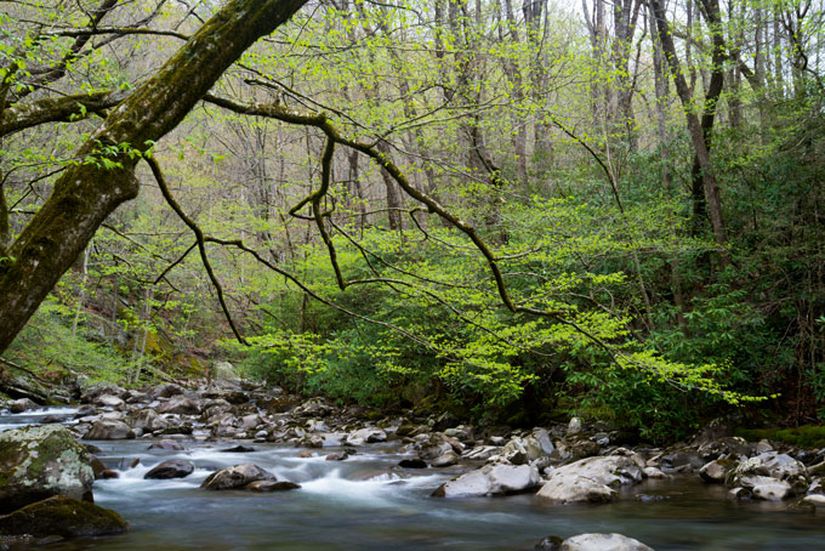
x,y
367,503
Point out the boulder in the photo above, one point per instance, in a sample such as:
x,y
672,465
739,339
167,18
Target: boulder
x,y
99,389
763,487
168,445
593,479
109,429
603,542
714,472
21,405
180,404
40,462
814,500
520,451
108,400
165,391
446,459
62,516
366,436
500,479
771,476
173,468
773,464
237,476
147,420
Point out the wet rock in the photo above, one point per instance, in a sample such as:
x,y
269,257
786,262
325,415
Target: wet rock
x,y
730,446
481,453
40,462
593,479
773,464
815,500
90,394
312,441
412,464
169,445
771,476
237,476
520,451
337,456
683,461
654,473
62,516
770,489
238,449
109,429
446,459
165,391
498,479
21,405
603,542
173,468
574,426
271,486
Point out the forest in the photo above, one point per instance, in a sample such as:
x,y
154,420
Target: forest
x,y
514,212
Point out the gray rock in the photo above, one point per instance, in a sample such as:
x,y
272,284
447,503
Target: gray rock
x,y
173,468
603,542
237,476
109,429
714,472
271,486
62,516
180,404
447,459
593,479
366,436
147,420
40,462
108,400
491,480
765,487
574,426
815,500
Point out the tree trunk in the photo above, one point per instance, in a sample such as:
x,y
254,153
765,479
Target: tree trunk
x,y
86,194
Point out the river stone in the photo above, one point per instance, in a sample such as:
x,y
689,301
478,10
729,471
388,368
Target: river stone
x,y
173,468
108,400
271,486
109,429
592,479
366,436
168,445
574,426
21,405
815,500
603,542
237,476
773,464
713,472
500,479
147,420
62,516
180,404
765,487
520,451
40,462
92,392
446,459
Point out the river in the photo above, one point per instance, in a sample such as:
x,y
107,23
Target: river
x,y
368,503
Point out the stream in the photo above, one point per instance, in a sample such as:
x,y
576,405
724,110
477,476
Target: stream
x,y
368,503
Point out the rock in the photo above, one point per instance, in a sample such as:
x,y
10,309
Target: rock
x,y
714,472
543,439
447,459
40,462
765,487
173,468
366,436
169,445
776,475
481,453
412,464
337,456
815,500
574,426
110,401
180,404
109,429
237,476
92,392
773,464
682,461
271,486
520,451
312,441
62,516
654,473
593,479
550,543
147,420
731,446
498,479
603,542
238,449
21,405
166,391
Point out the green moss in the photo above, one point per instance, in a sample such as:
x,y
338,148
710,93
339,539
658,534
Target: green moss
x,y
806,436
62,516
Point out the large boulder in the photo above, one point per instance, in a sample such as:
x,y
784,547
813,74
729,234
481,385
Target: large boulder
x,y
365,436
500,479
593,479
62,516
236,477
109,429
147,420
600,542
770,476
173,468
40,462
21,405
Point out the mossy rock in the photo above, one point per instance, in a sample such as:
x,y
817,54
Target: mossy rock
x,y
806,436
62,516
40,462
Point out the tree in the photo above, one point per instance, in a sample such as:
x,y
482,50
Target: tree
x,y
92,188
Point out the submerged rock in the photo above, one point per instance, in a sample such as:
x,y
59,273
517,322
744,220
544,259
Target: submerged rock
x,y
40,462
62,516
271,486
237,476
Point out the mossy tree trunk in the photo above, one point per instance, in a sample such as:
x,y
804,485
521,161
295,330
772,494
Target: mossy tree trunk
x,y
86,194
